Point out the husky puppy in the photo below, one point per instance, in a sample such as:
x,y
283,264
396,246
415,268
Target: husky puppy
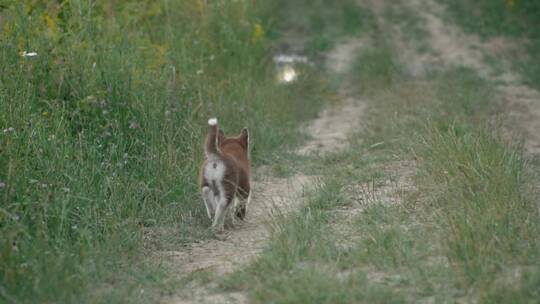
x,y
224,174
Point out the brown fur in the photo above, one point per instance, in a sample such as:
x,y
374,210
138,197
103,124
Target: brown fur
x,y
228,155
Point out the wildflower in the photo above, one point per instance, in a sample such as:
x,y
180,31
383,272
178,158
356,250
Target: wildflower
x,y
258,32
9,130
510,3
45,114
199,72
133,125
28,54
50,22
201,6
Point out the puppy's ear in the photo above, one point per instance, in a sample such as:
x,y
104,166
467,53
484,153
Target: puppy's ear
x,y
244,136
244,133
221,136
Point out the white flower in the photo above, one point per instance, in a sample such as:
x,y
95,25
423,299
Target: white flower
x,y
10,129
28,54
133,125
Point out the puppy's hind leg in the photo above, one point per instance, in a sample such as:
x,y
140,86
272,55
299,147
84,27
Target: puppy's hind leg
x,y
221,213
209,200
240,210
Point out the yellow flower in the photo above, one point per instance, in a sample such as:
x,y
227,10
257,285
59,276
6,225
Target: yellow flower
x,y
49,22
510,3
258,32
6,28
201,5
52,30
45,114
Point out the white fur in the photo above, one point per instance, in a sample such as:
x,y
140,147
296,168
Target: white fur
x,y
212,121
216,205
221,212
248,200
214,174
248,145
210,201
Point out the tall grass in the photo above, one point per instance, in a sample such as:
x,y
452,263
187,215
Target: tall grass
x,y
102,131
484,202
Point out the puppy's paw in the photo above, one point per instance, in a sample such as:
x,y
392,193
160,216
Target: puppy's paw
x,y
240,212
218,229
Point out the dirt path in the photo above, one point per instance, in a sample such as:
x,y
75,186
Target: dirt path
x,y
335,123
241,244
454,47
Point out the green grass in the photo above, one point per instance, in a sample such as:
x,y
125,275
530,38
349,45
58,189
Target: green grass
x,y
103,133
518,19
320,23
490,222
467,231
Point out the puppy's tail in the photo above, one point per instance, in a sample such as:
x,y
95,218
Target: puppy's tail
x,y
211,146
